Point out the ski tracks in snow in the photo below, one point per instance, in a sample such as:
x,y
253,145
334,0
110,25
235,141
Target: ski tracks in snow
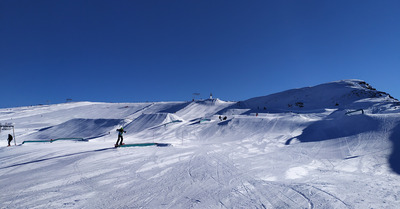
x,y
212,179
197,177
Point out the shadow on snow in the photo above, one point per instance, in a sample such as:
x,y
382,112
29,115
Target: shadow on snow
x,y
337,127
394,159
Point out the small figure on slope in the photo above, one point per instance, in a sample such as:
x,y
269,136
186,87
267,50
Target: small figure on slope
x,y
120,133
10,138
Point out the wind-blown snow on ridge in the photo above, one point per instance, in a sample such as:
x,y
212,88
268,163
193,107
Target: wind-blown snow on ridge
x,y
302,150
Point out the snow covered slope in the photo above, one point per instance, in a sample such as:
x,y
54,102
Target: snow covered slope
x,y
335,145
146,121
345,94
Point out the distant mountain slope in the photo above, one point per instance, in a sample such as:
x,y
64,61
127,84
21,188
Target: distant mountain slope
x,y
339,94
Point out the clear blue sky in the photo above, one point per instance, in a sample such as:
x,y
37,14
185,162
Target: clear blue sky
x,y
133,51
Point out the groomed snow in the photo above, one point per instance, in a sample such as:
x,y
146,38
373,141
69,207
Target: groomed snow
x,y
295,149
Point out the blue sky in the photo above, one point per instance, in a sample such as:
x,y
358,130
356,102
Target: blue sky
x,y
135,51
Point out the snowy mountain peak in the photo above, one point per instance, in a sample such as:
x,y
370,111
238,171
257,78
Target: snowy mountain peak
x,y
343,94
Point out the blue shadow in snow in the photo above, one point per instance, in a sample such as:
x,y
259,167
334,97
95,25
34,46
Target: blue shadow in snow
x,y
77,128
175,108
394,159
337,127
43,129
225,122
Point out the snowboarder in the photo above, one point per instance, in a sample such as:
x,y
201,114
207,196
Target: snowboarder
x,y
120,133
10,138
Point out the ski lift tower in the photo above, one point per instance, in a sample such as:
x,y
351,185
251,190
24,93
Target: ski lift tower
x,y
9,126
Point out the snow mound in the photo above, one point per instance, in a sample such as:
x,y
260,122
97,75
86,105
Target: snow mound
x,y
82,128
203,109
146,121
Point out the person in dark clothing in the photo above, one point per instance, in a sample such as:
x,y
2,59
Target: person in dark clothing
x,y
120,136
10,138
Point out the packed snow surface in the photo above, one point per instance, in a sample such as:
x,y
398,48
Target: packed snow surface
x,y
335,145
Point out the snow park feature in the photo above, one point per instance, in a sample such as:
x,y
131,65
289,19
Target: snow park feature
x,y
310,147
53,140
144,145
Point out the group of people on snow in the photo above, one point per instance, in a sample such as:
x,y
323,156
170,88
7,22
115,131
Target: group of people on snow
x,y
222,118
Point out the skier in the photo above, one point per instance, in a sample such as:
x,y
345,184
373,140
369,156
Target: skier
x,y
10,138
120,133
